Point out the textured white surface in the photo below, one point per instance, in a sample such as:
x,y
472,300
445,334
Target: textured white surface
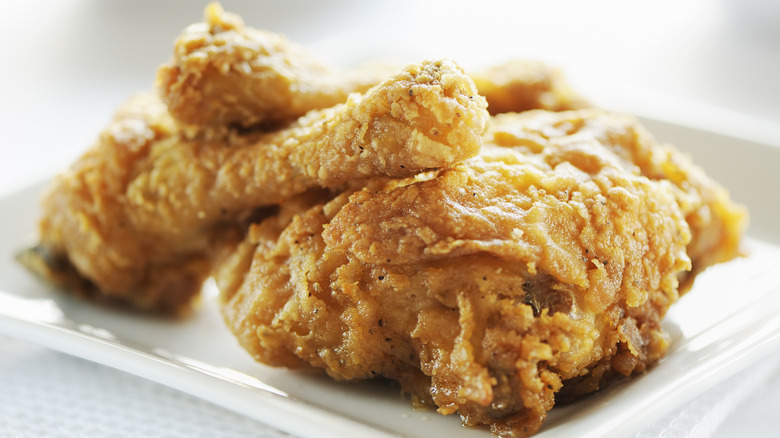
x,y
50,394
719,412
45,393
756,415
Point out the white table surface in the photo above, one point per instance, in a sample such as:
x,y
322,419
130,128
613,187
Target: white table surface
x,y
67,64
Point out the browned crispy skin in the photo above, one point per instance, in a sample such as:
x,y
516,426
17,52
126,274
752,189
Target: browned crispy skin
x,y
88,244
522,85
542,267
426,117
223,73
138,214
716,223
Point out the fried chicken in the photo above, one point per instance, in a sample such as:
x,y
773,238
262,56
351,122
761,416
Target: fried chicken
x,y
136,216
716,223
522,85
226,74
493,266
540,268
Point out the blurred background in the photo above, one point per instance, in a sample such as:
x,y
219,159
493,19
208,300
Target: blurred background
x,y
68,63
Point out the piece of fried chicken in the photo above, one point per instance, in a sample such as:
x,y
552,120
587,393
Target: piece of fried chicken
x,y
134,219
226,74
542,267
523,85
716,223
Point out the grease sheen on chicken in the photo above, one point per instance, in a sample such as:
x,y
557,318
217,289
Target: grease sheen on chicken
x,y
135,218
224,73
491,265
537,268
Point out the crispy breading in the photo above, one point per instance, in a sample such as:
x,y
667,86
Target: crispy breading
x,y
716,223
493,266
426,117
224,73
541,267
136,215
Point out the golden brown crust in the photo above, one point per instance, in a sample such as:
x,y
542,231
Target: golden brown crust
x,y
427,116
87,242
484,289
716,222
138,213
224,73
535,271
